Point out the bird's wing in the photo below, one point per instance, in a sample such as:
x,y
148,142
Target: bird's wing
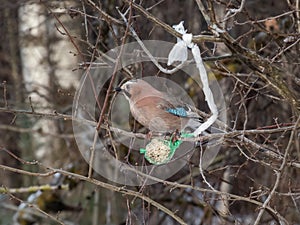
x,y
179,109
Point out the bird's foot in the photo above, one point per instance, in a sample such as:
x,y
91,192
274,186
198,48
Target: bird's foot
x,y
149,135
175,136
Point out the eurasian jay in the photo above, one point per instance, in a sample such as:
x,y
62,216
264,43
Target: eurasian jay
x,y
156,110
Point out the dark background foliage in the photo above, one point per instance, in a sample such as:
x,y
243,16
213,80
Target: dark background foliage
x,y
46,46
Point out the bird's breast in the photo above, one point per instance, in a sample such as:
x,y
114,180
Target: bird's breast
x,y
149,113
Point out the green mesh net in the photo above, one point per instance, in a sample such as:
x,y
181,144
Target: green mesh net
x,y
159,151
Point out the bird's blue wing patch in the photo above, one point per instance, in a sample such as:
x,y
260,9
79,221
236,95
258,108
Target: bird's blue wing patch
x,y
178,111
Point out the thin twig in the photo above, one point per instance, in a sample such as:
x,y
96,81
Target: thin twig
x,y
105,103
30,205
140,195
30,103
18,158
278,173
103,14
20,171
196,39
68,33
228,135
5,94
232,12
47,187
155,62
201,170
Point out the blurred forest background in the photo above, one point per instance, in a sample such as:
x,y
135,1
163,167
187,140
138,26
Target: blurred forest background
x,y
47,46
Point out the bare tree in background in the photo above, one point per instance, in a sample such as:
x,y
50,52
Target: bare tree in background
x,y
252,49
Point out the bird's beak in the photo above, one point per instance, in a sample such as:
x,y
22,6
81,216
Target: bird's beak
x,y
118,89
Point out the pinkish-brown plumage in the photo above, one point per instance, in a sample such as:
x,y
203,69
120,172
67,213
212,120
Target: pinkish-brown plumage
x,y
149,107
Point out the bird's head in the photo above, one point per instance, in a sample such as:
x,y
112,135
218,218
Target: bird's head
x,y
135,89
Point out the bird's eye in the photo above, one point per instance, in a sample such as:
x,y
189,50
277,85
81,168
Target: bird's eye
x,y
127,87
